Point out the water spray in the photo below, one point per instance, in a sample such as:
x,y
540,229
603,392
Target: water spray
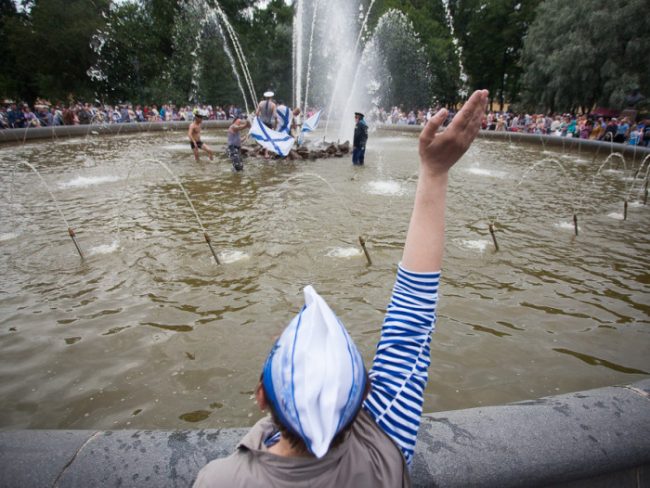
x,y
494,237
73,236
575,223
71,233
362,241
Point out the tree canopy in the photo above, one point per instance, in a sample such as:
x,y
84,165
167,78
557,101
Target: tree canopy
x,y
586,53
535,54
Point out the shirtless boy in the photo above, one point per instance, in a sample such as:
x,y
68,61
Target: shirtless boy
x,y
194,133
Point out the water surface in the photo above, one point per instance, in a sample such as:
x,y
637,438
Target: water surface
x,y
148,332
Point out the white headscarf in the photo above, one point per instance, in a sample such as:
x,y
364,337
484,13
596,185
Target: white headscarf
x,y
314,376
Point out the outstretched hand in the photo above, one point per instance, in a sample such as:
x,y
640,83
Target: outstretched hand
x,y
440,151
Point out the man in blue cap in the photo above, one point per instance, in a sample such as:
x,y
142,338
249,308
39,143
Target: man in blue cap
x,y
359,140
331,423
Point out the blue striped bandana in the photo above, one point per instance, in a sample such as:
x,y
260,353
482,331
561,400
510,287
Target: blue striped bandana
x,y
314,376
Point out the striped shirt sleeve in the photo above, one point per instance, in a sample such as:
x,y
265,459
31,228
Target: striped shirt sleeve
x,y
399,371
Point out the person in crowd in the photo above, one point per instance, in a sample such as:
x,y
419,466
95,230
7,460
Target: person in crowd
x,y
194,134
610,130
235,140
30,118
645,141
331,423
360,139
599,129
125,117
622,131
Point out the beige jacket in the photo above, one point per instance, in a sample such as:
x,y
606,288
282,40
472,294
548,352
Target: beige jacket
x,y
367,458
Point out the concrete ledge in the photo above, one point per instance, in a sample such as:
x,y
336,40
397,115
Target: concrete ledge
x,y
594,438
61,131
556,141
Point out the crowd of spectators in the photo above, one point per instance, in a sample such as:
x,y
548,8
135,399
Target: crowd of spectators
x,y
45,114
586,126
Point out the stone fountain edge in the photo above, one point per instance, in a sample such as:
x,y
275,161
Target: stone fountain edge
x,y
598,437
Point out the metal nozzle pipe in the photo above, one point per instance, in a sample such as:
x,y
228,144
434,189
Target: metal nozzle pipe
x,y
207,239
73,236
365,251
494,237
575,223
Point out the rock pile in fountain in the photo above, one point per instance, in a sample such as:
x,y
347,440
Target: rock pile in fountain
x,y
313,151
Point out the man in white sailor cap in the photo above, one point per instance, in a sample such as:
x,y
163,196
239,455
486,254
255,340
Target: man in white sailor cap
x,y
333,424
266,112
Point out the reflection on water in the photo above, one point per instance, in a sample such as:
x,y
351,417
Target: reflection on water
x,y
148,332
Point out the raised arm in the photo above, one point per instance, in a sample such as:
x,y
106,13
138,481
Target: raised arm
x,y
438,153
399,372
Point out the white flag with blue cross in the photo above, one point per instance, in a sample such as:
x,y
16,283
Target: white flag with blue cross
x,y
278,142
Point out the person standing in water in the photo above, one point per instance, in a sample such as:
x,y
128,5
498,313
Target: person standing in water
x,y
360,139
194,134
266,110
234,141
331,423
266,113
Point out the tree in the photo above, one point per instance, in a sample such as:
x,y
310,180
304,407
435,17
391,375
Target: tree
x,y
587,53
9,80
491,33
429,22
52,43
404,59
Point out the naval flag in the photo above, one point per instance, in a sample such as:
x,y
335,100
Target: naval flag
x,y
312,122
278,142
284,119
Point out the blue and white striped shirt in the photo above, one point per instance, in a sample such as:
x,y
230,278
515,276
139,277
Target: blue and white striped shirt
x,y
399,371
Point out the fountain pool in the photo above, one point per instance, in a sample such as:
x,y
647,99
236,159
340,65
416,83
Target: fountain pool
x,y
149,332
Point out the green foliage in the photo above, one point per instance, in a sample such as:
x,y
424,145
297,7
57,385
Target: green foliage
x,y
576,54
52,47
8,73
404,59
429,22
491,33
585,54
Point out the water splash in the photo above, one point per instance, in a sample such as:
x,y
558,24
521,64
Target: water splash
x,y
384,188
86,181
105,248
344,252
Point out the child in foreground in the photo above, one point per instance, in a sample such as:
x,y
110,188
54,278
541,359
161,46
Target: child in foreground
x,y
331,424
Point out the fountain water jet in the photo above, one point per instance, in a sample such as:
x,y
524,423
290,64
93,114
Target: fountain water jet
x,y
361,239
71,232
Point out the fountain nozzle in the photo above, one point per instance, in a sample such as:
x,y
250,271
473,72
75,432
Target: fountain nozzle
x,y
575,223
494,237
625,210
645,193
207,239
73,236
365,251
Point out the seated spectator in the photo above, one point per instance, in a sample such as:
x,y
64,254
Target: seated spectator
x,y
622,131
610,130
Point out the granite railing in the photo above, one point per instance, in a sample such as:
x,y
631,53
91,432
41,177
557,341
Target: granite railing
x,y
595,438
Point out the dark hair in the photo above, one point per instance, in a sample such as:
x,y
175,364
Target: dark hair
x,y
295,441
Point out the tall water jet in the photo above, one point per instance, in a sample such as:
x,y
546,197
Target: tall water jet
x,y
212,15
323,76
